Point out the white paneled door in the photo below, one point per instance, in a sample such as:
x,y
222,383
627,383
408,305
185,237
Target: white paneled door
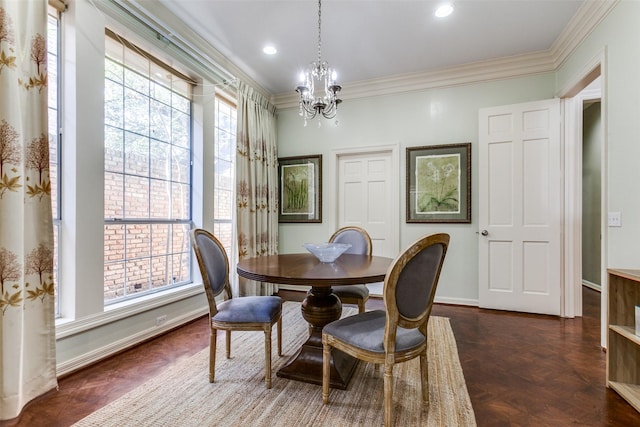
x,y
367,187
520,207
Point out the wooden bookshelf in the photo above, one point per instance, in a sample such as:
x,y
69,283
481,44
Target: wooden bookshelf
x,y
623,345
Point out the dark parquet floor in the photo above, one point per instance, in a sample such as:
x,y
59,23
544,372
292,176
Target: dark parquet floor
x,y
520,369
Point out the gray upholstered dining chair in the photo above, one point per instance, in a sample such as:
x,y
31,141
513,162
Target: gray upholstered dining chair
x,y
398,333
360,244
254,313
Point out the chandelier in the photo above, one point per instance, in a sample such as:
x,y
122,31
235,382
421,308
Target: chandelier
x,y
319,76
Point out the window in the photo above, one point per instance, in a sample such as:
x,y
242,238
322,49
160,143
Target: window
x,y
225,148
147,176
53,66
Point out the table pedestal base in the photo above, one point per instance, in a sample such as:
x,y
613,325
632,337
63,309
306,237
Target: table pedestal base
x,y
319,308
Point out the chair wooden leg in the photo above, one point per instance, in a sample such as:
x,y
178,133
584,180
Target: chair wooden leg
x,y
361,306
280,336
424,377
212,355
388,394
267,355
228,335
326,354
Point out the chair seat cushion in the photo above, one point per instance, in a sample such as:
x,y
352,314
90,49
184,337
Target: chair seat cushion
x,y
256,309
366,331
351,291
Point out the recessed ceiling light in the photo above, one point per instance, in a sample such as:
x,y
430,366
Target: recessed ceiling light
x,y
444,10
270,50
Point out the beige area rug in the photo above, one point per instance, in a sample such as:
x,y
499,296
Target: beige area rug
x,y
183,396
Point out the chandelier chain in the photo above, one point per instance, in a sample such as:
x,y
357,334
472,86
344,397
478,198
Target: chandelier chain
x,y
319,30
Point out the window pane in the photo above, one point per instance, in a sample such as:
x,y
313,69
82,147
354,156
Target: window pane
x,y
181,197
136,112
136,190
160,270
138,276
223,232
114,279
181,103
180,238
161,93
224,173
160,199
53,112
114,243
181,129
113,104
223,205
113,197
181,165
135,81
113,71
113,149
160,164
160,116
161,238
136,154
138,241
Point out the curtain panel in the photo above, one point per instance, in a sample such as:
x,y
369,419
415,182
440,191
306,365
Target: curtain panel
x,y
27,324
256,184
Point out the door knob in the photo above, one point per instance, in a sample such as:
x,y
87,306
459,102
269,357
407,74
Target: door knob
x,y
484,233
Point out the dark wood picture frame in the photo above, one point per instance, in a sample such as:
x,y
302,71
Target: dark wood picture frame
x,y
300,188
439,184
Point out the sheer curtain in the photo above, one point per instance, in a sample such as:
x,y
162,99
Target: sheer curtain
x,y
27,327
256,183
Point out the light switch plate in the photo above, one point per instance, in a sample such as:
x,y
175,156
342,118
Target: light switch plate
x,y
614,219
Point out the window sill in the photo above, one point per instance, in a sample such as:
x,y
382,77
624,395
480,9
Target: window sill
x,y
68,327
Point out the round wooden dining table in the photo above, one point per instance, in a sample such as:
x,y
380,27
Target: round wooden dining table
x,y
320,307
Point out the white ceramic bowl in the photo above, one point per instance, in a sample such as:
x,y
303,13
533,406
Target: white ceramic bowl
x,y
327,252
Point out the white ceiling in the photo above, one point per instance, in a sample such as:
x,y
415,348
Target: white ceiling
x,y
366,39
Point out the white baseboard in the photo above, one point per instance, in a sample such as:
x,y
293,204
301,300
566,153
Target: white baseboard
x,y
456,301
98,354
591,285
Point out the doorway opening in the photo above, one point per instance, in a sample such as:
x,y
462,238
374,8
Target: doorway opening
x,y
585,188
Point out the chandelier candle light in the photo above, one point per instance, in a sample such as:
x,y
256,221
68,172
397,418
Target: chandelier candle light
x,y
320,76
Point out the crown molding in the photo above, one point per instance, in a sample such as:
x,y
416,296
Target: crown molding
x,y
590,14
588,17
501,68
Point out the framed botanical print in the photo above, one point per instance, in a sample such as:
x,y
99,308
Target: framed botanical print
x,y
300,188
439,183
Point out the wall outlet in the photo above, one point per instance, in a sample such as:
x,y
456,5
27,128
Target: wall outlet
x,y
160,320
614,219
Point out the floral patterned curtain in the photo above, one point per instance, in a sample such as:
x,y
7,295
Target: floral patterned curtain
x,y
257,183
27,327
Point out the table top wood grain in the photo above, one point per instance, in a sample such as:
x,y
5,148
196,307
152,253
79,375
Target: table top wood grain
x,y
306,269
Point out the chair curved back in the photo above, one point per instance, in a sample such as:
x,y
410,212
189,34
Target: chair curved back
x,y
410,285
358,237
213,263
